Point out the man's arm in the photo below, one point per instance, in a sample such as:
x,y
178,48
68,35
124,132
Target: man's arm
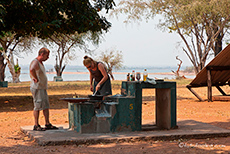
x,y
33,67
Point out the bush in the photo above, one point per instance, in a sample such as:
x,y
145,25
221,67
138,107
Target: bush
x,y
189,69
17,68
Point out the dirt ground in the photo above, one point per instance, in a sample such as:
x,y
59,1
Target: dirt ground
x,y
16,110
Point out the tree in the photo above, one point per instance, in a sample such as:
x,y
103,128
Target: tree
x,y
8,44
113,60
44,18
201,24
177,73
2,12
67,44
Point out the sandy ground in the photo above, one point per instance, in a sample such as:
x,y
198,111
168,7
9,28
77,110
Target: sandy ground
x,y
16,110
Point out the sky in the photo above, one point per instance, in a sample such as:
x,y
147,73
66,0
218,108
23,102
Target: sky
x,y
141,44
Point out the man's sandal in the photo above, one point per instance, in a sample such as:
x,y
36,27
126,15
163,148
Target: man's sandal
x,y
50,126
38,128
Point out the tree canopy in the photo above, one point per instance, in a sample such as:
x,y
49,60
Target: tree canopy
x,y
201,24
43,18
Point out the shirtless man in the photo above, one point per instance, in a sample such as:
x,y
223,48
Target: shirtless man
x,y
38,88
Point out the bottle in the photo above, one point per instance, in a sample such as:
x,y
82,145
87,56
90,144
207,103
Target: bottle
x,y
128,78
133,75
145,75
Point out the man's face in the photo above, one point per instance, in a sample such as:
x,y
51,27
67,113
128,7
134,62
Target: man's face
x,y
46,56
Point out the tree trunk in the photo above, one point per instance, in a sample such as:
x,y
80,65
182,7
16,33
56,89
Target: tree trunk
x,y
2,68
218,44
12,71
59,70
196,69
16,77
62,69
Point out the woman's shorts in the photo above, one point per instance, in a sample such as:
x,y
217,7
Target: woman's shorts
x,y
40,99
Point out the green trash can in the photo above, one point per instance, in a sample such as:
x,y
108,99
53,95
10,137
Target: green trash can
x,y
4,84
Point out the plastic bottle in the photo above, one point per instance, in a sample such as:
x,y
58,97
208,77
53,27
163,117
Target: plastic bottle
x,y
145,75
133,75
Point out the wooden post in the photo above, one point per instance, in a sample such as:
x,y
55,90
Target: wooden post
x,y
163,108
221,91
194,93
209,83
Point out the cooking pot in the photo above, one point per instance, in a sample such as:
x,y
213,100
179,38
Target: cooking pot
x,y
95,97
79,100
75,100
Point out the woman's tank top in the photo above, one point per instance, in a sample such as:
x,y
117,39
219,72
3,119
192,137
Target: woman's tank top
x,y
97,74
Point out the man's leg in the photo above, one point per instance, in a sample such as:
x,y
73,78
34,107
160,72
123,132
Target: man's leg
x,y
36,111
36,117
37,127
48,125
46,115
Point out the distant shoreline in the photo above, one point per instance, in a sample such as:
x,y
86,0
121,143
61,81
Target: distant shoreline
x,y
159,73
82,75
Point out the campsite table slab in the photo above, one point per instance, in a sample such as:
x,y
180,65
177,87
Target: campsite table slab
x,y
165,100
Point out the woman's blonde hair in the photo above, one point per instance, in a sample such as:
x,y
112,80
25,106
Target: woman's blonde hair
x,y
87,60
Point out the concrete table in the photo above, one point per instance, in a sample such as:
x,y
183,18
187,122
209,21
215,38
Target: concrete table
x,y
165,100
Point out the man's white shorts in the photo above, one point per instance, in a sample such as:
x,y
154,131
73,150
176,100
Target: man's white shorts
x,y
40,99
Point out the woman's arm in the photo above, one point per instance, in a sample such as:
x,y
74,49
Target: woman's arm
x,y
91,81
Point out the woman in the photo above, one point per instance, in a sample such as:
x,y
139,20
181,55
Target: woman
x,y
98,73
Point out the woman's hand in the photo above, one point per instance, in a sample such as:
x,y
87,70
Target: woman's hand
x,y
91,88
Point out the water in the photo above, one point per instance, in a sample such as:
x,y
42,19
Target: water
x,y
80,73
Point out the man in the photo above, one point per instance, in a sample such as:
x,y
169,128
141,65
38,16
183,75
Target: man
x,y
38,88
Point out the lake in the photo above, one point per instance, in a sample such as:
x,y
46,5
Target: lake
x,y
80,73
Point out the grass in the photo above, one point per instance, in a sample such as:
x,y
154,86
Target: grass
x,y
86,83
50,83
182,81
